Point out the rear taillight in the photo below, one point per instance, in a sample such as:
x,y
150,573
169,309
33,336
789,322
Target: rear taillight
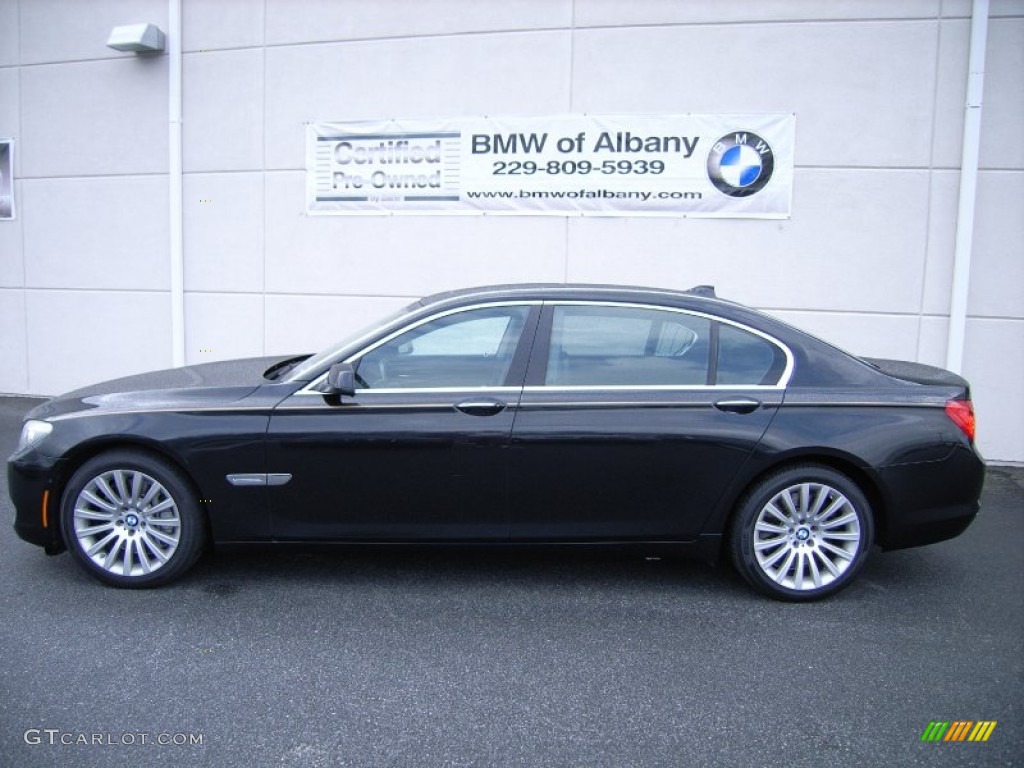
x,y
962,414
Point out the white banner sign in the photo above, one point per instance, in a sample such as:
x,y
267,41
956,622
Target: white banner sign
x,y
601,165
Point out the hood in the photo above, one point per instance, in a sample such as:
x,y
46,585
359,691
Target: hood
x,y
192,386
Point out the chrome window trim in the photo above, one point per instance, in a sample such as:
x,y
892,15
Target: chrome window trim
x,y
438,390
309,388
781,384
652,387
429,391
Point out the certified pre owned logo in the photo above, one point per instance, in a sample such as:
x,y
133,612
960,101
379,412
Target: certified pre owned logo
x,y
740,164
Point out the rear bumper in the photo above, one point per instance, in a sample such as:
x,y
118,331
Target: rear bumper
x,y
28,480
933,501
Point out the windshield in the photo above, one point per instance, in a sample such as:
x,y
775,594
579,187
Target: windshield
x,y
315,364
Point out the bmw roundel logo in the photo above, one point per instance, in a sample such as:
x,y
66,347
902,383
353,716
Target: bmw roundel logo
x,y
740,163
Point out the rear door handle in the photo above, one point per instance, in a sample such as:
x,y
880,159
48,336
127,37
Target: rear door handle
x,y
738,405
481,407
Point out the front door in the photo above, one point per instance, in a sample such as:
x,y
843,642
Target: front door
x,y
418,454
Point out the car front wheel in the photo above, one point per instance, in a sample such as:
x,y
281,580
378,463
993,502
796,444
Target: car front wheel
x,y
131,519
802,533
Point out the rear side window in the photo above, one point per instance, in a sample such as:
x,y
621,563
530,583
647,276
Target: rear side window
x,y
616,346
746,359
601,345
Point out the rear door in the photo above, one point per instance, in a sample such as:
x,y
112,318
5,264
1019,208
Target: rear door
x,y
634,419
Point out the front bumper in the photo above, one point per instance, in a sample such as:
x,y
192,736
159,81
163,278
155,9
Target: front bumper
x,y
35,482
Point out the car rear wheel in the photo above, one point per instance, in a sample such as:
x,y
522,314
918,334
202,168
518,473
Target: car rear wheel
x,y
131,519
802,533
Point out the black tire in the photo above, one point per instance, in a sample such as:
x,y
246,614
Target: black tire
x,y
133,512
799,545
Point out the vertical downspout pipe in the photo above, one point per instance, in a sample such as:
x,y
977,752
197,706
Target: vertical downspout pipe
x,y
968,187
176,222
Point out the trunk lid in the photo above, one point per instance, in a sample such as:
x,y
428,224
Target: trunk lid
x,y
918,373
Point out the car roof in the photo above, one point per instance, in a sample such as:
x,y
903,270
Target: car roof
x,y
578,291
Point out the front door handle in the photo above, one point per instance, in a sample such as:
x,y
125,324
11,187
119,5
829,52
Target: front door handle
x,y
738,405
481,407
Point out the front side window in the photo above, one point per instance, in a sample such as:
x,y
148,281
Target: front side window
x,y
616,346
466,349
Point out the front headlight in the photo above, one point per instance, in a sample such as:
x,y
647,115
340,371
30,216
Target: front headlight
x,y
32,432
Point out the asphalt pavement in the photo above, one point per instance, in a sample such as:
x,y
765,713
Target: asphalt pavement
x,y
505,658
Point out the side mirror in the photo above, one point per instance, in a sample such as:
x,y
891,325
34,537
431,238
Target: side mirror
x,y
341,379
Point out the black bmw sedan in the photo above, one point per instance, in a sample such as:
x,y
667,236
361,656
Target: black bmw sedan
x,y
525,414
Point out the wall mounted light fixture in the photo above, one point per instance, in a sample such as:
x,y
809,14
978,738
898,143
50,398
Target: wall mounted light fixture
x,y
137,38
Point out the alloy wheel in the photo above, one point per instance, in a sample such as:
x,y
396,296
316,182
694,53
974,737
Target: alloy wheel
x,y
127,522
806,536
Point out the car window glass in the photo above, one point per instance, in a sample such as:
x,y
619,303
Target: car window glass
x,y
746,359
478,336
599,345
465,349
